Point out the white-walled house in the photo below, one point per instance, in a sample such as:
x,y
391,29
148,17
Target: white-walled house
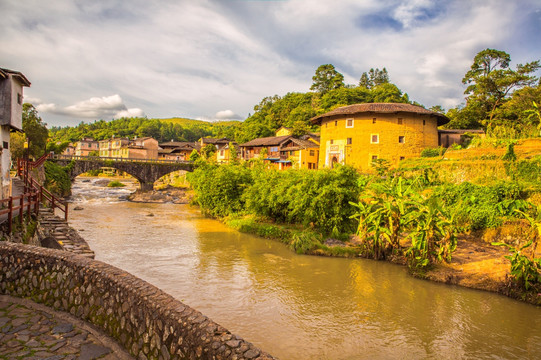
x,y
11,112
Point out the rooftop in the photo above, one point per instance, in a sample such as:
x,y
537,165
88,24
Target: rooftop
x,y
382,108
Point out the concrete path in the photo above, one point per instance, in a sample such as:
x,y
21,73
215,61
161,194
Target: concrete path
x,y
33,331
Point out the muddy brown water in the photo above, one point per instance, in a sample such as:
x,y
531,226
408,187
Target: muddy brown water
x,y
295,306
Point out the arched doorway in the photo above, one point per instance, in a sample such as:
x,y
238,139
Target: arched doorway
x,y
334,161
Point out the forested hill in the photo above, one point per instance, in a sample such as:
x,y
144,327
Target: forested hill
x,y
178,129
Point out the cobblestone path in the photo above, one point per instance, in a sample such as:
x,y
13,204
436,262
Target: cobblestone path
x,y
33,331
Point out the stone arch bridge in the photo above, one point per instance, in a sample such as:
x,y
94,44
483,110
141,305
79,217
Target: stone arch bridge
x,y
145,171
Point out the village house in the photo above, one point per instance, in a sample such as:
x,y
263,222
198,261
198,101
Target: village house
x,y
222,148
253,149
86,146
140,148
177,150
299,154
223,152
111,147
69,150
359,134
284,151
458,136
11,110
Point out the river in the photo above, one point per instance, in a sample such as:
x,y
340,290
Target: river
x,y
296,306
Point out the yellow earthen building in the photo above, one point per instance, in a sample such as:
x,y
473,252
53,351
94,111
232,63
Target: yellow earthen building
x,y
358,134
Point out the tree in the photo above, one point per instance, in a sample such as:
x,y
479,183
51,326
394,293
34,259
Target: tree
x,y
491,81
437,108
233,153
300,128
35,130
326,79
208,151
373,78
194,156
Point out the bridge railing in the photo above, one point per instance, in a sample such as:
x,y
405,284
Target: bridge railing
x,y
119,159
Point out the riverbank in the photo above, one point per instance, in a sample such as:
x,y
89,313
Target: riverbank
x,y
475,263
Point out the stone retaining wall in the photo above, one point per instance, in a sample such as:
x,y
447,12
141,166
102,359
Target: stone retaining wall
x,y
143,319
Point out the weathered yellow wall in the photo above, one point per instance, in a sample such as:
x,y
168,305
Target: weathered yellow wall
x,y
304,157
359,154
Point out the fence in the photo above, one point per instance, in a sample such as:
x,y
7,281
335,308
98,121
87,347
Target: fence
x,y
33,195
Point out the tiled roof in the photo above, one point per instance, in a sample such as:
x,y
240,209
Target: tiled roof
x,y
267,141
386,108
180,144
215,141
304,144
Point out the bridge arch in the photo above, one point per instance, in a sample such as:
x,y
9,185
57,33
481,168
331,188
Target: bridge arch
x,y
146,172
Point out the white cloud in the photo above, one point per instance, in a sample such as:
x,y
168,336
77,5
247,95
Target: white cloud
x,y
133,112
227,115
107,107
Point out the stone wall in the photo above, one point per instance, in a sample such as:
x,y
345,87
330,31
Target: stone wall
x,y
143,319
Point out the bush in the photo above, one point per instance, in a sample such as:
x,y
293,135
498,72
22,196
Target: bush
x,y
433,152
219,188
313,198
115,183
57,179
481,207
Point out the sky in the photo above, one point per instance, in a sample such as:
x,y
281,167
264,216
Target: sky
x,y
216,59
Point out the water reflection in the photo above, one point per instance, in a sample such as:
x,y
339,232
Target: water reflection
x,y
302,307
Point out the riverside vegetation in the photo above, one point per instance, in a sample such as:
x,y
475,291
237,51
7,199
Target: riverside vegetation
x,y
408,215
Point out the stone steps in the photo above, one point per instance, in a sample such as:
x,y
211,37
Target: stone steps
x,y
58,229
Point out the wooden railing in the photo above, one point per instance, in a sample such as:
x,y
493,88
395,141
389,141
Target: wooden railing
x,y
121,159
32,186
29,201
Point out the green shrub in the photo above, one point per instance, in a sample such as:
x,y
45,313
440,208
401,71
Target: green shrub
x,y
482,206
312,198
219,188
115,183
433,152
57,179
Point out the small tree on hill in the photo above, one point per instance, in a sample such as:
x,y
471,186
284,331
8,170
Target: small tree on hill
x,y
326,79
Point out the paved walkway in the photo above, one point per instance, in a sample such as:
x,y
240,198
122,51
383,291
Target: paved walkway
x,y
33,331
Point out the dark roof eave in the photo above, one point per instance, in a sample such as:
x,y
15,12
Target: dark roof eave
x,y
379,108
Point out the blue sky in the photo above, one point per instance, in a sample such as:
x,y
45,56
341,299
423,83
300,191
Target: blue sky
x,y
215,60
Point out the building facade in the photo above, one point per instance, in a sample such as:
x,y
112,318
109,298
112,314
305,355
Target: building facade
x,y
145,148
358,134
177,150
11,111
86,146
